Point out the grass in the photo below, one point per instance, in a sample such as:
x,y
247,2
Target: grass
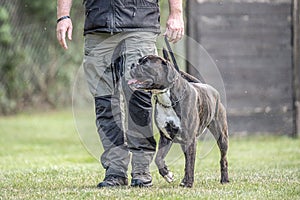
x,y
41,157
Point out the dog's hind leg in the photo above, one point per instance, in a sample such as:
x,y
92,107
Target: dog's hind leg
x,y
163,149
219,129
190,156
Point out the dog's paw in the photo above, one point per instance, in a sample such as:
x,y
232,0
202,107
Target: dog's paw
x,y
169,177
188,185
224,181
224,178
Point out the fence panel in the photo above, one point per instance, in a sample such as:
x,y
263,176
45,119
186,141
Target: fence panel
x,y
251,43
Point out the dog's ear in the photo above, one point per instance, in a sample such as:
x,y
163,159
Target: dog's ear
x,y
166,54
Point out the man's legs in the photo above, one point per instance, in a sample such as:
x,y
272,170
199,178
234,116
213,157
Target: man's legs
x,y
97,65
99,54
139,133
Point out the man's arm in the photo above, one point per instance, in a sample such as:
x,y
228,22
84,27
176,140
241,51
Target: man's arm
x,y
175,24
64,26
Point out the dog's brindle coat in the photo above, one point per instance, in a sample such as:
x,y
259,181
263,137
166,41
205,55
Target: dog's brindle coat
x,y
184,107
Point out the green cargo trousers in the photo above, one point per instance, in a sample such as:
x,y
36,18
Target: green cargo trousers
x,y
123,116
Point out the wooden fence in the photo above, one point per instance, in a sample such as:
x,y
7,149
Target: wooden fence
x,y
255,45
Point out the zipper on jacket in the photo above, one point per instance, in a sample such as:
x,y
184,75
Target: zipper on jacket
x,y
134,8
112,20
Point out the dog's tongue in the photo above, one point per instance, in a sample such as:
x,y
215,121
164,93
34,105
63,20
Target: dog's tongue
x,y
132,81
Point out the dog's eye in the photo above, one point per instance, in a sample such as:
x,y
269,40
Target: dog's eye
x,y
143,60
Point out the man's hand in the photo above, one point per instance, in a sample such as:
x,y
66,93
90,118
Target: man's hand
x,y
175,24
64,28
175,28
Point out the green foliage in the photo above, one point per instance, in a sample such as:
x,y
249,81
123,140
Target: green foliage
x,y
34,70
5,30
41,157
10,85
40,10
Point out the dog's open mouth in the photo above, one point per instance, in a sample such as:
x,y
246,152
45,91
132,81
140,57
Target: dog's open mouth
x,y
140,84
133,81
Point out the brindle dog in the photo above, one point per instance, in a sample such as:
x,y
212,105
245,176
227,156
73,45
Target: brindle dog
x,y
184,108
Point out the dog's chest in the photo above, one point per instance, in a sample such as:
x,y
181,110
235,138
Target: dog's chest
x,y
166,118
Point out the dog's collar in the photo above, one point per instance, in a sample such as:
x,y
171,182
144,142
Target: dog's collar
x,y
163,99
156,92
170,102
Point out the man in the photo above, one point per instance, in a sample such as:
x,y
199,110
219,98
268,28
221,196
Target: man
x,y
117,33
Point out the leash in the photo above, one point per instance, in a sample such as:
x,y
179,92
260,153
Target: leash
x,y
185,75
171,53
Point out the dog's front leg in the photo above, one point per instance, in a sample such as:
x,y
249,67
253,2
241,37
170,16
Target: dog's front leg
x,y
163,149
190,156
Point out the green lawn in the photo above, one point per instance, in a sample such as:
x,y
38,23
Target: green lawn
x,y
42,157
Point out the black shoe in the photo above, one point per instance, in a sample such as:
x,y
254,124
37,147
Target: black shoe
x,y
140,183
113,181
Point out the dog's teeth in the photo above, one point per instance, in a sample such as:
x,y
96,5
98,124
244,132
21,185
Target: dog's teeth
x,y
169,177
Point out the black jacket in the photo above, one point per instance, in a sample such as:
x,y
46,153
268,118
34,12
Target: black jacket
x,y
121,15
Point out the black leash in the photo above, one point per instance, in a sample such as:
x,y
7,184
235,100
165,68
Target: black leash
x,y
172,54
185,75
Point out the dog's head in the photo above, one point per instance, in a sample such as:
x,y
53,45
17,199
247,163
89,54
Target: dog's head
x,y
152,73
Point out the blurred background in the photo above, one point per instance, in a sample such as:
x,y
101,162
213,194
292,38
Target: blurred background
x,y
34,71
254,44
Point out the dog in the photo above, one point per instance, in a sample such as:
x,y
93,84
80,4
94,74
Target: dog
x,y
184,108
